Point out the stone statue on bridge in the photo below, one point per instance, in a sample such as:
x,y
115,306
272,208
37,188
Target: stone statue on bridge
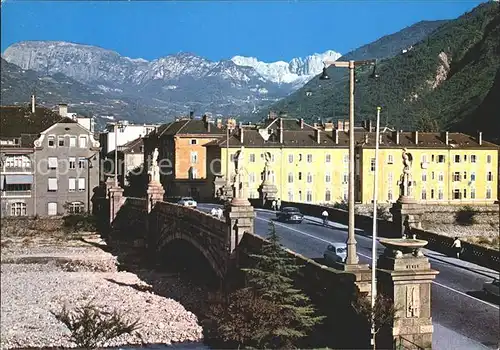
x,y
406,183
267,171
154,170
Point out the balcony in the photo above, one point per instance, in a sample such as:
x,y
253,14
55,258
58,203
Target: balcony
x,y
16,194
7,170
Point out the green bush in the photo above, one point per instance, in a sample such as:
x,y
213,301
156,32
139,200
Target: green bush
x,y
465,216
79,222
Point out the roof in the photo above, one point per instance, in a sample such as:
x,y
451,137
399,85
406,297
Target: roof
x,y
133,146
19,122
189,127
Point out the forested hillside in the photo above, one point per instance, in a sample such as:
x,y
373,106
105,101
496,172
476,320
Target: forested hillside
x,y
447,81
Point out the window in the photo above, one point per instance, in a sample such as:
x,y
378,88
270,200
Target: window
x,y
251,177
72,184
328,177
441,158
472,193
457,158
290,178
328,196
389,195
432,176
465,175
346,194
18,209
488,193
465,157
309,196
456,176
300,196
473,176
309,158
424,176
488,158
465,193
76,208
424,194
52,184
309,178
489,176
194,141
290,196
252,158
81,162
72,162
390,159
52,162
51,140
72,141
300,175
440,194
432,193
81,184
194,157
290,158
372,164
300,157
389,178
52,208
194,173
440,177
345,178
328,158
83,141
473,158
60,141
432,158
17,162
456,193
346,159
424,158
17,187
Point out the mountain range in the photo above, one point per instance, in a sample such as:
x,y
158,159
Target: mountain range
x,y
447,81
101,82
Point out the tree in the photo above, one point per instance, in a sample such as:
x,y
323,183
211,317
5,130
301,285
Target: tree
x,y
383,311
272,278
91,327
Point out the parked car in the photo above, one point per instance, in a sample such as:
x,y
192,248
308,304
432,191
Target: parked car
x,y
290,214
188,202
335,253
492,288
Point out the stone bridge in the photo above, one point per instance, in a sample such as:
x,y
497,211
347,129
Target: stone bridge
x,y
226,243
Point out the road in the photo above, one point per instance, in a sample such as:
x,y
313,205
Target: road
x,y
462,317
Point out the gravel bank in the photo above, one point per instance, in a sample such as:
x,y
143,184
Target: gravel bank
x,y
38,278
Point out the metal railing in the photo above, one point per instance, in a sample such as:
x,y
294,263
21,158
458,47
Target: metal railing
x,y
403,344
17,169
16,193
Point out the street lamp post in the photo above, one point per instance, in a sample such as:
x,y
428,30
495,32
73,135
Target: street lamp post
x,y
352,256
118,125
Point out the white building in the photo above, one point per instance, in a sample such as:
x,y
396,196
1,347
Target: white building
x,y
126,132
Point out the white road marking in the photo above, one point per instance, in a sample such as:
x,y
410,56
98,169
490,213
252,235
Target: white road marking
x,y
369,257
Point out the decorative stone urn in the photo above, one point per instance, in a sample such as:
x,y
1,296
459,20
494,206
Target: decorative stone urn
x,y
401,247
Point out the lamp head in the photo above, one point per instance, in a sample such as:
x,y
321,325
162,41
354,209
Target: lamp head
x,y
324,75
374,74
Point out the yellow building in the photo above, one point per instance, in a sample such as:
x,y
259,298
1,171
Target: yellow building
x,y
310,163
447,168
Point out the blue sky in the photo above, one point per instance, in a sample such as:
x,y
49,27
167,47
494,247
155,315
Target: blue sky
x,y
268,30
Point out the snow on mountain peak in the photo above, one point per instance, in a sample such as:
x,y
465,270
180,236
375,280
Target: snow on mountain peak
x,y
298,70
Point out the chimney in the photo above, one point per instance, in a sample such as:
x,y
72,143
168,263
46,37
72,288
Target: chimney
x,y
340,125
33,103
380,139
191,115
369,125
281,130
366,138
302,123
318,136
241,133
346,125
219,123
208,126
63,110
480,138
446,138
336,136
415,137
395,136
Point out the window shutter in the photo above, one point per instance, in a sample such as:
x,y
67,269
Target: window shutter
x,y
52,162
72,184
52,184
81,184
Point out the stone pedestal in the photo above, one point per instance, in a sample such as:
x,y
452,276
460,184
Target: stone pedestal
x,y
404,275
240,219
155,193
406,212
267,192
115,196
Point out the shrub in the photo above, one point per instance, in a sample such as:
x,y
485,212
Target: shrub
x,y
91,327
465,216
79,222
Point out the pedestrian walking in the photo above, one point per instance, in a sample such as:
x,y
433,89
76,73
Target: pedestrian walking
x,y
324,214
213,212
220,213
274,205
279,204
457,247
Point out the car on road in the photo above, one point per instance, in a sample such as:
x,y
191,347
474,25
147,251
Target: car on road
x,y
290,214
492,288
335,253
188,202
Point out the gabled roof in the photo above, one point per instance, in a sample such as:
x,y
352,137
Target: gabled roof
x,y
190,127
19,122
133,146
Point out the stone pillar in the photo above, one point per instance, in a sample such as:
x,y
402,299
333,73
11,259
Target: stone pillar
x,y
155,193
406,214
267,192
115,195
404,275
240,219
